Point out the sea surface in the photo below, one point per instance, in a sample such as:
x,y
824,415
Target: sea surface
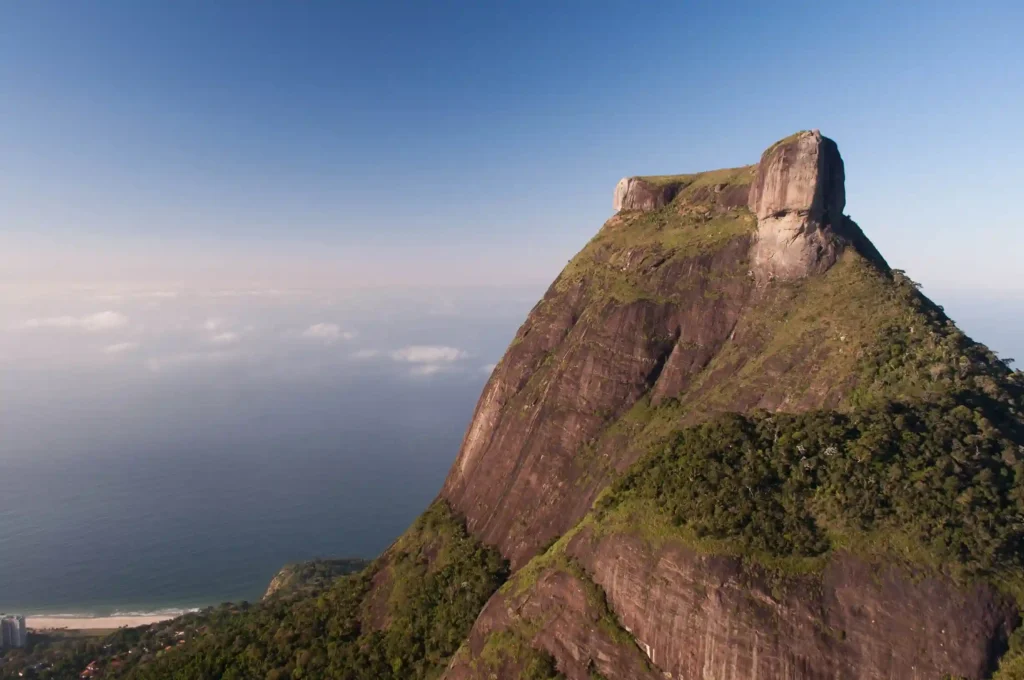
x,y
186,473
210,515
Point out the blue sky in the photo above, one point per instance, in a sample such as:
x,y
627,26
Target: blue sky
x,y
477,143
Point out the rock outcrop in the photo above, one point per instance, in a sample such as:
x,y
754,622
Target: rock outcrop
x,y
563,615
589,350
637,193
798,197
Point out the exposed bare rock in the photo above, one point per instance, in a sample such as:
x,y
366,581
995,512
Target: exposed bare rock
x,y
558,614
636,193
798,197
713,618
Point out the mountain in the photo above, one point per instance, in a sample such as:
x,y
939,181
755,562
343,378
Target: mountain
x,y
826,473
729,442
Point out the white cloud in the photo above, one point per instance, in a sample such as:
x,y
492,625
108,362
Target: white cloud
x,y
428,354
429,359
101,321
213,324
328,332
224,338
366,354
488,368
121,347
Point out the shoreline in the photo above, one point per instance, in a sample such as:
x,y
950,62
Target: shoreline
x,y
45,622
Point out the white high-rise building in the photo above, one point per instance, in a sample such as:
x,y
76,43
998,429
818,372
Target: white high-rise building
x,y
12,632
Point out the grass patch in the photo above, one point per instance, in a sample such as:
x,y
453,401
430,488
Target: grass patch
x,y
511,650
557,559
624,261
785,140
727,176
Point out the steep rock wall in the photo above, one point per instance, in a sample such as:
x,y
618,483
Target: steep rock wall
x,y
560,615
713,618
798,197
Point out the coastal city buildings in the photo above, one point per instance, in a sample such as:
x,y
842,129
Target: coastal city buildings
x,y
12,632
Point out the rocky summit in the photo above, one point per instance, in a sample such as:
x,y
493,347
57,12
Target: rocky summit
x,y
729,442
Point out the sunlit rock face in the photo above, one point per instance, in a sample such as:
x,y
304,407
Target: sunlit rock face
x,y
635,193
798,196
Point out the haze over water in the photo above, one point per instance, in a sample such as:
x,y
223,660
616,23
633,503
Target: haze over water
x,y
142,479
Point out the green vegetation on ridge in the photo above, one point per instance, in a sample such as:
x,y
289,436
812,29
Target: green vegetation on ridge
x,y
509,651
312,575
696,180
943,476
632,257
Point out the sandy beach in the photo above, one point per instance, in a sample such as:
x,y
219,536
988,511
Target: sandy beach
x,y
92,622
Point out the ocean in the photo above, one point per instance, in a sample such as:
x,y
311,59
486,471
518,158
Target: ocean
x,y
211,515
166,479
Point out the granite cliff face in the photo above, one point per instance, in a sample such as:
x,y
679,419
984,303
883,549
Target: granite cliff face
x,y
798,197
729,291
707,616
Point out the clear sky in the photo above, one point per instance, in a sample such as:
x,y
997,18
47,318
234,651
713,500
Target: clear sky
x,y
433,143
